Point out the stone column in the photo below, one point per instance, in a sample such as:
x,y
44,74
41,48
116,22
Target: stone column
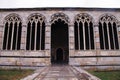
x,y
23,37
48,42
72,60
1,36
96,37
71,39
97,41
119,35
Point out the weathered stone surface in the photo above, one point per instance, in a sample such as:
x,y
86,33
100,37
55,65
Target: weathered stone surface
x,y
61,73
89,57
85,53
47,34
83,61
108,60
109,53
47,40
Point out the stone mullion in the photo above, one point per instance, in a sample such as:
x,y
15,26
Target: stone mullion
x,y
30,34
17,34
12,35
108,36
35,35
113,35
103,36
84,35
78,35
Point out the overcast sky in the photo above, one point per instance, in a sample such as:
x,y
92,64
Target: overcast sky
x,y
59,3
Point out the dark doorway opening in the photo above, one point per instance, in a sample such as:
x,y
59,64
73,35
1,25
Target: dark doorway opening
x,y
59,55
59,42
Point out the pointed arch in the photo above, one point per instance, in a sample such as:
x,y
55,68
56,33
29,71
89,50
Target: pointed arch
x,y
35,32
59,37
12,32
108,32
84,32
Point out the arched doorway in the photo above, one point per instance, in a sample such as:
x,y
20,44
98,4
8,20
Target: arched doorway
x,y
59,55
59,42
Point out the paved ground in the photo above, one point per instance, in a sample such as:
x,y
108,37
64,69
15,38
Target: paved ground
x,y
60,73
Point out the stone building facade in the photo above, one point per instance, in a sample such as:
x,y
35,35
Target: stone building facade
x,y
86,37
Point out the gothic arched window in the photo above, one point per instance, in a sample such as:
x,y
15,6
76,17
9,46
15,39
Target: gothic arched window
x,y
12,32
108,32
35,33
84,33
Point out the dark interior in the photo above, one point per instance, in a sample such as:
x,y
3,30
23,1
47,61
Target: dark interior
x,y
59,55
59,42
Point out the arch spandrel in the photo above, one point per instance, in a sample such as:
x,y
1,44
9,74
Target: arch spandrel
x,y
61,16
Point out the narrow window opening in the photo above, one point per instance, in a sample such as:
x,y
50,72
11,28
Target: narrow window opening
x,y
115,36
10,36
91,35
43,37
33,36
76,35
38,36
19,36
101,36
105,35
5,36
14,36
111,36
86,36
28,36
81,36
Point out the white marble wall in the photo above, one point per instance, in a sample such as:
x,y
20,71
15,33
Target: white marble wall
x,y
46,59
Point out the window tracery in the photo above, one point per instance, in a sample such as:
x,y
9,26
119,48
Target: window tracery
x,y
35,32
108,32
84,32
12,32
